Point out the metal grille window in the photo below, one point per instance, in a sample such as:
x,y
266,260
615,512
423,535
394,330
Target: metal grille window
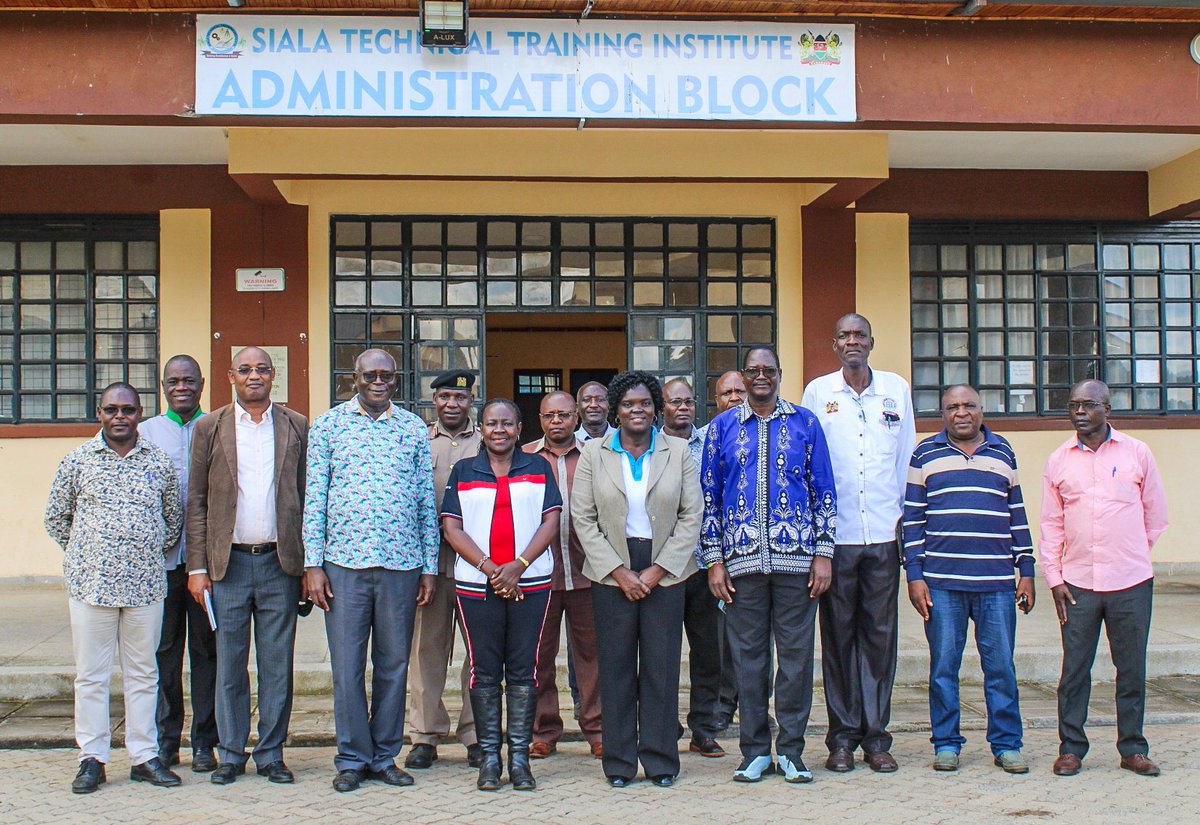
x,y
1022,312
697,291
78,311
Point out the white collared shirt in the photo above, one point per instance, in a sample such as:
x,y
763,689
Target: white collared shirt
x,y
255,516
871,440
582,436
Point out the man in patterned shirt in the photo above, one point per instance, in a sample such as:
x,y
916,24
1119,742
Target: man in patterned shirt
x,y
114,508
769,515
370,555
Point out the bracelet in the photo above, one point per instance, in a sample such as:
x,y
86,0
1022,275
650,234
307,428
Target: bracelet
x,y
522,560
482,562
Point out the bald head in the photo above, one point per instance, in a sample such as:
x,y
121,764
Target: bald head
x,y
252,356
730,391
1093,388
374,359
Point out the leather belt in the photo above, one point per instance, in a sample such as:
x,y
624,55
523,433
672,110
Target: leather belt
x,y
255,549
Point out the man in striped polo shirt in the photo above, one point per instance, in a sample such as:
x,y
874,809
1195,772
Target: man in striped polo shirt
x,y
964,532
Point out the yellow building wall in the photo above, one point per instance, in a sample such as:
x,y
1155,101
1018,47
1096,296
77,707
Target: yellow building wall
x,y
27,465
881,288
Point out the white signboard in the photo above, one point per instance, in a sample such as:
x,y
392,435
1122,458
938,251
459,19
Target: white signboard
x,y
256,279
626,69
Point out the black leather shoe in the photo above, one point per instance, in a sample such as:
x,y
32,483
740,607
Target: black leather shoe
x,y
706,746
665,780
203,761
474,756
421,757
156,773
227,773
90,777
618,781
391,775
347,781
278,773
169,758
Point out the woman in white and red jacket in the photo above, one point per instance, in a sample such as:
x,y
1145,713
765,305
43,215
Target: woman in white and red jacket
x,y
500,514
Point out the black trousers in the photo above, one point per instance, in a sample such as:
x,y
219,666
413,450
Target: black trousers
x,y
703,624
1126,618
764,604
858,645
185,624
503,636
640,644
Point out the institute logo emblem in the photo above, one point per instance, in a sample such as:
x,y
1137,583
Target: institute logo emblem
x,y
820,49
221,40
831,408
889,403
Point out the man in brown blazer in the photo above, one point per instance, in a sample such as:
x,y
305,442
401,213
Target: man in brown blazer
x,y
244,551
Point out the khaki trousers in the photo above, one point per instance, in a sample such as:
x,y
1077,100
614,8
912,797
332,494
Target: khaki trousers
x,y
432,647
96,634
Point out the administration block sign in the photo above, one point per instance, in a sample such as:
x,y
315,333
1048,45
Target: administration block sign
x,y
376,67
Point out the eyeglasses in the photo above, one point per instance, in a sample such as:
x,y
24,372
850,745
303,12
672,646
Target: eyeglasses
x,y
383,376
556,415
765,372
245,370
112,410
681,402
1089,406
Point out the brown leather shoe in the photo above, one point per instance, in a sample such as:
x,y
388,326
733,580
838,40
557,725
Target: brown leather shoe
x,y
880,761
706,746
597,750
540,750
1140,764
1068,764
841,760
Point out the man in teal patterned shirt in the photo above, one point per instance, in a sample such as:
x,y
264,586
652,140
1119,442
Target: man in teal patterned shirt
x,y
371,554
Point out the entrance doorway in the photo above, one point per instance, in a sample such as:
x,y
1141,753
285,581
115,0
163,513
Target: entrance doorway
x,y
529,355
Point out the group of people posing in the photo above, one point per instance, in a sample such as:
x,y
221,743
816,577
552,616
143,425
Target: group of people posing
x,y
189,530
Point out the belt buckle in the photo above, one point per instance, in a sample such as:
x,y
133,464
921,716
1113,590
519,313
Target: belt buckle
x,y
259,549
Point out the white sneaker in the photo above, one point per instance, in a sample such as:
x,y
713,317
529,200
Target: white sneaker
x,y
753,769
794,771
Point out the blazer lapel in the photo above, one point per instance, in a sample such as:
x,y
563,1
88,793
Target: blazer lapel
x,y
227,433
281,426
658,461
611,460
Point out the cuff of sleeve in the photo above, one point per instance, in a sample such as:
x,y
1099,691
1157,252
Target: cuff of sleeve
x,y
314,558
824,546
202,571
708,556
1026,568
1052,579
914,572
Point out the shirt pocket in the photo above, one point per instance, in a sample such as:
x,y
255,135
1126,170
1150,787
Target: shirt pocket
x,y
1120,491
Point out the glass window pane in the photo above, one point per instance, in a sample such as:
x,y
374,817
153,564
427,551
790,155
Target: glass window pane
x,y
142,346
110,346
350,293
922,258
722,329
989,286
954,315
462,294
1118,343
424,234
1019,286
576,234
1116,314
426,293
722,294
1177,315
1145,256
756,235
925,373
610,233
386,293
925,344
70,346
991,343
954,257
677,329
610,294
989,257
462,264
575,263
645,358
1118,371
1021,344
1083,286
35,255
110,286
461,233
645,328
648,264
35,407
647,293
954,289
536,293
1116,286
992,400
37,316
688,234
756,265
143,255
1179,342
610,264
1179,371
35,347
1081,256
1084,315
1145,315
387,327
535,233
924,316
387,263
680,358
1121,398
990,315
35,287
1145,286
142,286
349,326
991,372
143,316
1175,256
426,262
647,234
1147,398
71,406
722,234
1116,256
1146,343
501,233
954,372
924,289
1179,399
535,264
1050,256
722,265
685,294
8,255
722,359
1020,257
501,263
575,293
683,265
756,295
344,266
387,233
36,376
1020,315
350,233
756,328
1177,286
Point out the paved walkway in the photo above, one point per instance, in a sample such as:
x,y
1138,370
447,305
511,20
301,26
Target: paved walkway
x,y
34,787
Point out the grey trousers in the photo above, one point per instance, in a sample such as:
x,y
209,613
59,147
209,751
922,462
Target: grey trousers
x,y
255,590
1126,618
374,605
764,604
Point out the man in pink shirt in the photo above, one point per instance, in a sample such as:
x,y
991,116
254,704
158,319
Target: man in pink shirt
x,y
1103,508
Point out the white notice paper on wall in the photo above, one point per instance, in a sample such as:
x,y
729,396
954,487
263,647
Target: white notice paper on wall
x,y
1020,372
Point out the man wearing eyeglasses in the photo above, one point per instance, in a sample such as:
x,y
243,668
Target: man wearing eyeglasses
x,y
114,509
244,551
867,418
371,552
452,437
701,618
1103,508
185,624
767,541
570,592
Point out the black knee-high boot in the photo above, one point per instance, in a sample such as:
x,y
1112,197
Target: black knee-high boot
x,y
522,704
485,702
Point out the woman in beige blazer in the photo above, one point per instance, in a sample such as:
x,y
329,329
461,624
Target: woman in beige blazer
x,y
636,508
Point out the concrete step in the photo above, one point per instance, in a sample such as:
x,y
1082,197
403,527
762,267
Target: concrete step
x,y
23,683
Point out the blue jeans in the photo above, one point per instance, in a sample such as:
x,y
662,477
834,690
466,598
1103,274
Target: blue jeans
x,y
995,617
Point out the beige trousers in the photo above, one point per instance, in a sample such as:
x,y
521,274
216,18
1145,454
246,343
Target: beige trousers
x,y
433,645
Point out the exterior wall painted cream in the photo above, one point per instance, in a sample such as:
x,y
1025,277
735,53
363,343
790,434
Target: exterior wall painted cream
x,y
27,465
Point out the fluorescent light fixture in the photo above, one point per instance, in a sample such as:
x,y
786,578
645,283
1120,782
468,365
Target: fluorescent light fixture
x,y
237,4
444,23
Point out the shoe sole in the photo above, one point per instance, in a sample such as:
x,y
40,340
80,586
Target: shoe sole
x,y
150,781
1015,771
717,755
802,779
885,769
533,755
1141,773
89,790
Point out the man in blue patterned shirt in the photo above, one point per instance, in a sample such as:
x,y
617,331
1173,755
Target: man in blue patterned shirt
x,y
769,516
371,555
